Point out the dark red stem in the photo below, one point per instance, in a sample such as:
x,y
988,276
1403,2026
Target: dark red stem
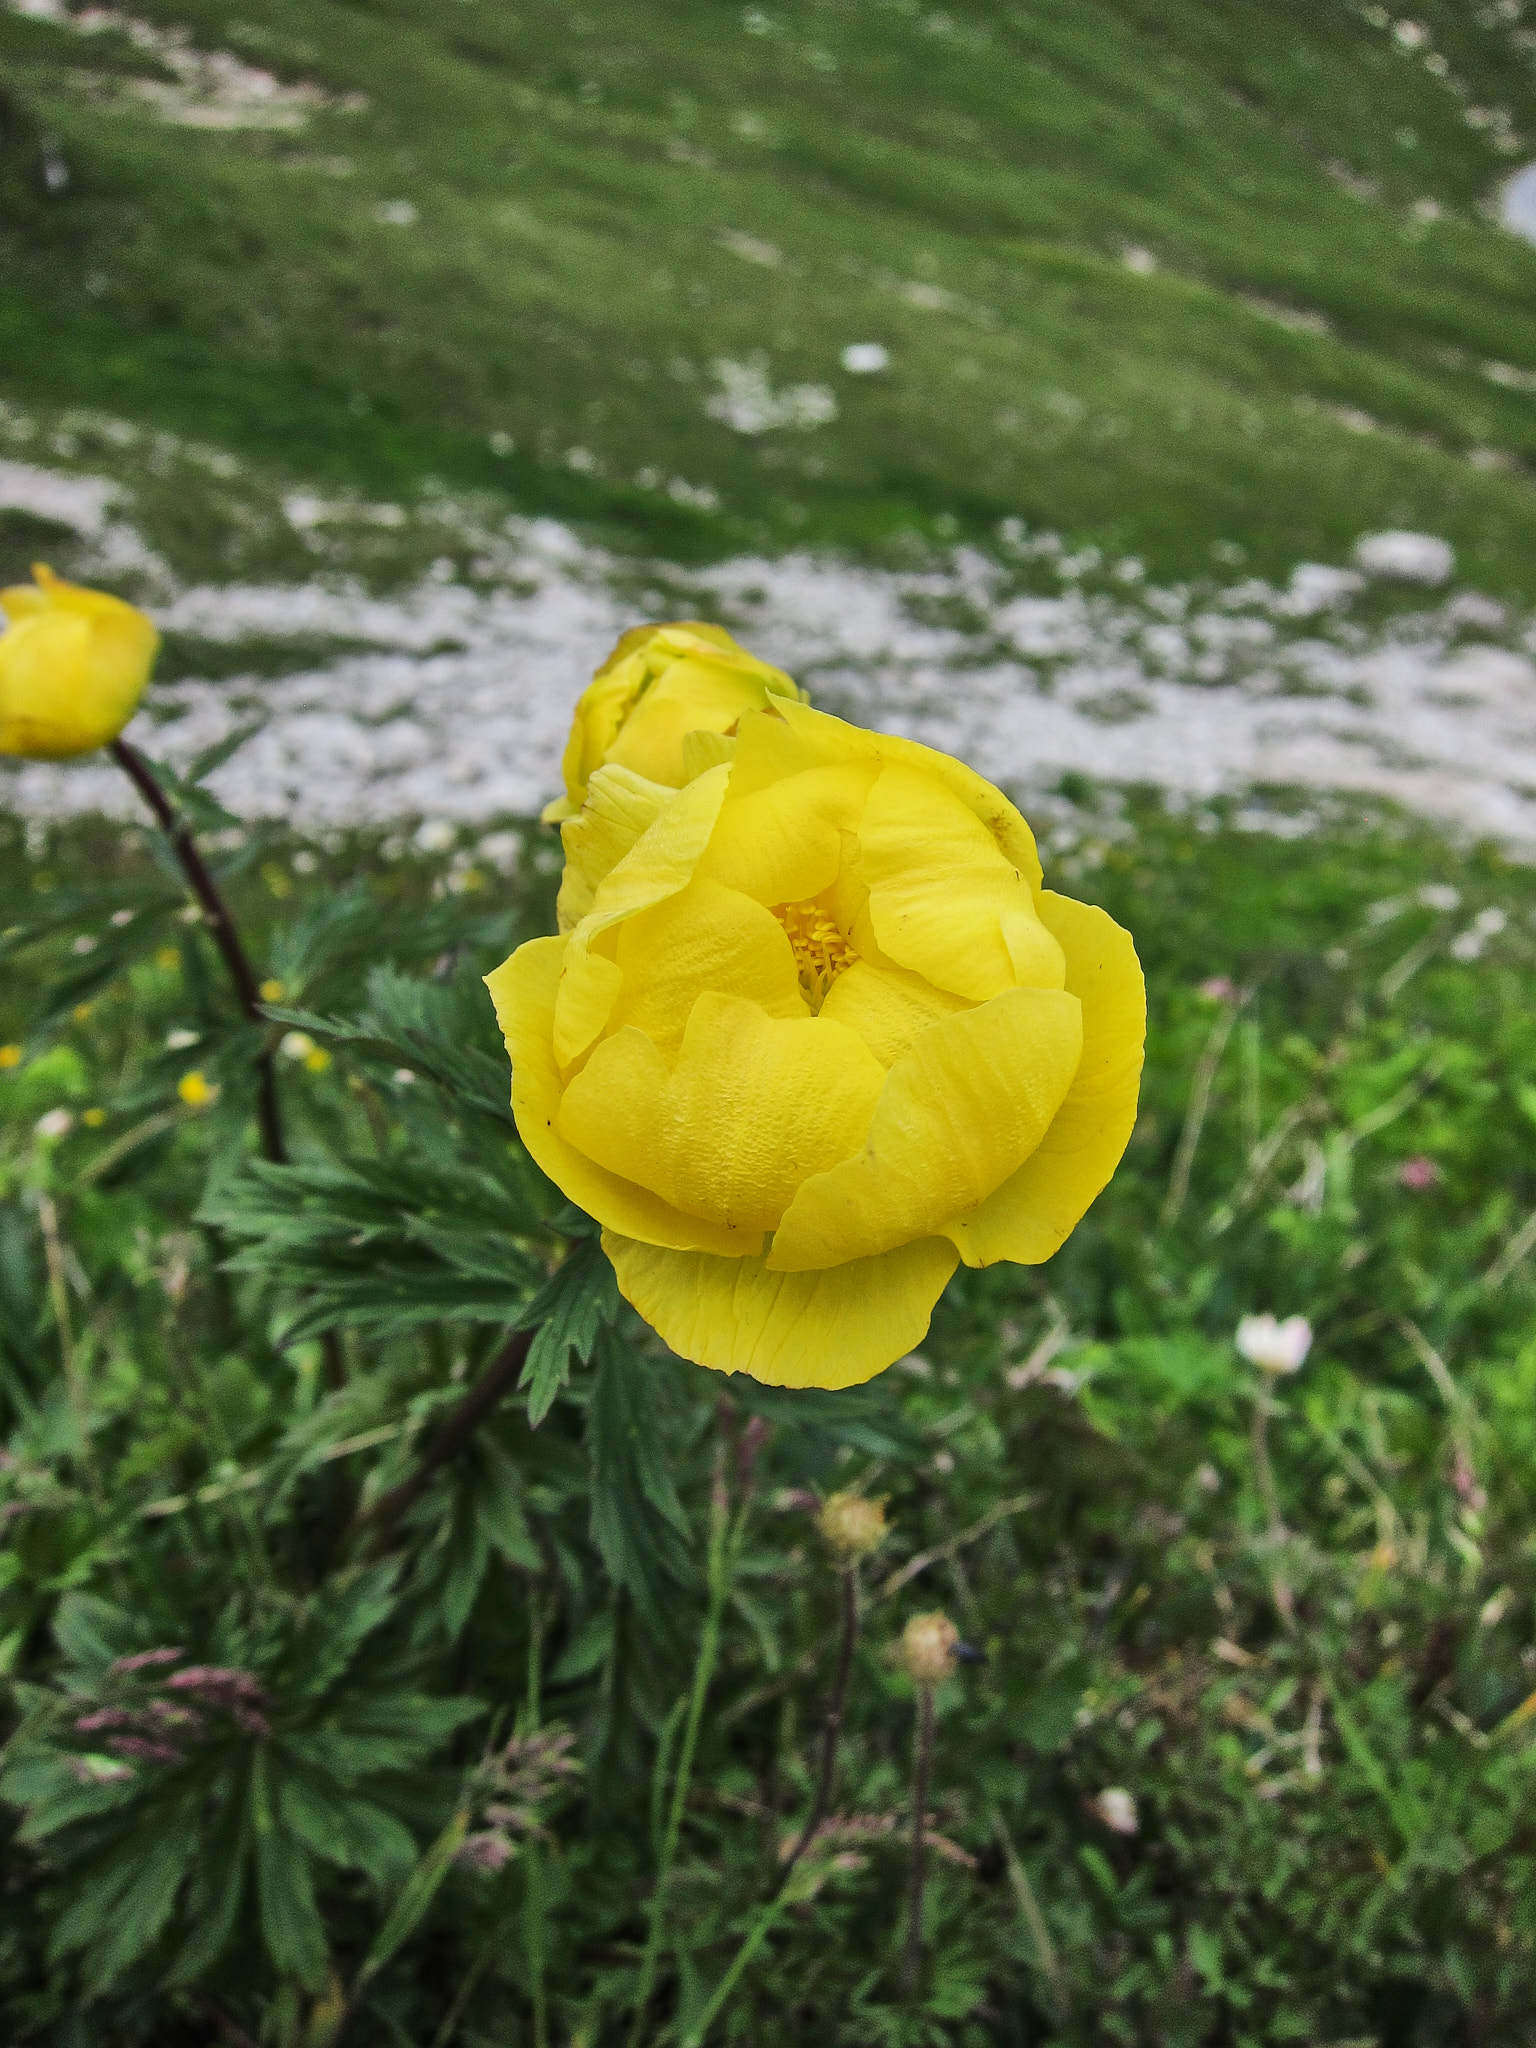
x,y
221,927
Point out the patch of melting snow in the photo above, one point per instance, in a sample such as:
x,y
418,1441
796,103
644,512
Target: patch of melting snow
x,y
450,701
207,88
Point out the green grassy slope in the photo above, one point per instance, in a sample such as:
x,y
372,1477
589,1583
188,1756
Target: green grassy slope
x,y
607,203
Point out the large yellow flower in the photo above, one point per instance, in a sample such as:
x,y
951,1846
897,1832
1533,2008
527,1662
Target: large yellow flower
x,y
73,665
660,684
812,1033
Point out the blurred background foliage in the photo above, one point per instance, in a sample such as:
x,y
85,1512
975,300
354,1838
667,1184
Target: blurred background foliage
x,y
1158,276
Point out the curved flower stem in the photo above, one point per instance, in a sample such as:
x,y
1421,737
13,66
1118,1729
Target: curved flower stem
x,y
703,1671
221,927
922,1765
832,1728
455,1432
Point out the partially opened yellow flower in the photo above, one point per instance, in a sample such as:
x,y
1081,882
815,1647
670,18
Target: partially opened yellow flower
x,y
660,684
73,665
812,1033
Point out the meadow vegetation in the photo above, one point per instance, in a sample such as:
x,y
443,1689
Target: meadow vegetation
x,y
1160,277
344,1704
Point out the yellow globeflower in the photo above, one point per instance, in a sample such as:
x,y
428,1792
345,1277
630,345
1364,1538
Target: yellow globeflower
x,y
73,665
812,1033
660,684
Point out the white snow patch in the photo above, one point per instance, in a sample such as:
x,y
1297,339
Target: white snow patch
x,y
450,702
1406,557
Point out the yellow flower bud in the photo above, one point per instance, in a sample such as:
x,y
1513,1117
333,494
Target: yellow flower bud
x,y
852,1526
272,991
927,1649
195,1090
10,1056
94,1118
73,665
660,684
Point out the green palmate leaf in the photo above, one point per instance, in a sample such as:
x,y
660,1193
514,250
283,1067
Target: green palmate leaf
x,y
339,1621
218,1887
159,1860
425,1026
343,1828
570,1309
285,1891
637,1520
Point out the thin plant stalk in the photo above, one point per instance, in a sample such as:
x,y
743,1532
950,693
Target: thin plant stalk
x,y
922,1768
534,1920
826,1777
58,1293
1264,1473
533,1940
832,1727
1034,1919
703,1672
759,1932
1195,1114
221,928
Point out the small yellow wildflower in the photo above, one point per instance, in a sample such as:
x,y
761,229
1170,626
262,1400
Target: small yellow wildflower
x,y
272,991
80,1012
316,1060
10,1056
95,1118
168,957
195,1090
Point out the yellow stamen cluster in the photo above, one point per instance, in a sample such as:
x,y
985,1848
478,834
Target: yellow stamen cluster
x,y
822,951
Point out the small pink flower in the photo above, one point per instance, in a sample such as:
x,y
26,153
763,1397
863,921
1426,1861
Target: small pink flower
x,y
1219,989
1418,1173
144,1659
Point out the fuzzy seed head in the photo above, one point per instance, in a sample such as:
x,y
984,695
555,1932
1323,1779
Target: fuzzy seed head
x,y
927,1651
851,1526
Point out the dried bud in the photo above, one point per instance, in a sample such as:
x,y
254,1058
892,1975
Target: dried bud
x,y
851,1526
927,1651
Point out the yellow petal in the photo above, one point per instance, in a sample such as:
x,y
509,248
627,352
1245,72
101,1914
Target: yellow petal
x,y
619,807
663,858
831,1329
703,939
660,683
944,900
523,990
695,694
961,1110
784,843
1033,1213
795,736
754,1106
702,750
590,985
887,1007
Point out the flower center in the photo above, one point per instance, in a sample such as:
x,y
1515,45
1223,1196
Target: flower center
x,y
822,950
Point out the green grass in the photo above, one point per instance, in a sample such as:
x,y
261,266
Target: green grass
x,y
1333,1838
960,188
